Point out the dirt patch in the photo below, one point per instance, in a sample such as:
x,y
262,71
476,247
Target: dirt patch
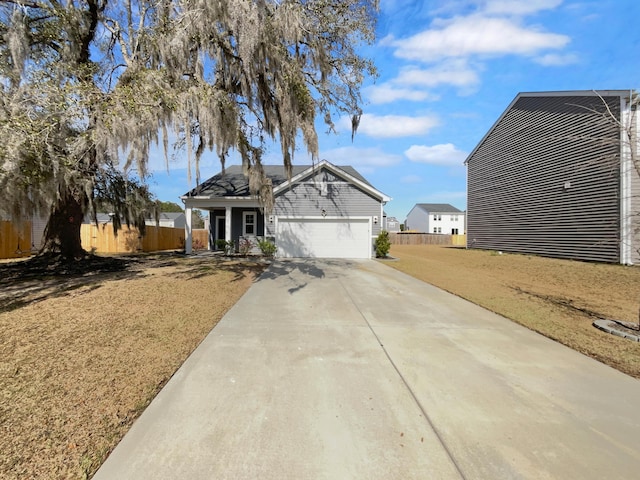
x,y
82,354
557,298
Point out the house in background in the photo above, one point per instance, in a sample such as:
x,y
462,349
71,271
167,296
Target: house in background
x,y
391,224
168,219
436,218
555,176
323,211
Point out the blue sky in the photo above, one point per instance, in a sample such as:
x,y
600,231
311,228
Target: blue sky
x,y
447,71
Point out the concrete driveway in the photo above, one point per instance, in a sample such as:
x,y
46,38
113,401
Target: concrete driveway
x,y
351,370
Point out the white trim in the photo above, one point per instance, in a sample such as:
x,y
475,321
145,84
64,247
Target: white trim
x,y
188,243
626,167
227,223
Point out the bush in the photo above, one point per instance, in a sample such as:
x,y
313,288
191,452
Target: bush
x,y
221,244
198,245
245,246
267,247
382,244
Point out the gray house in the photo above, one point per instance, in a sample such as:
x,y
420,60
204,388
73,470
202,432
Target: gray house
x,y
436,218
557,175
168,219
391,224
323,211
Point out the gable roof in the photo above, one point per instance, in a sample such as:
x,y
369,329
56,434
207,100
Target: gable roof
x,y
571,93
170,215
438,208
233,182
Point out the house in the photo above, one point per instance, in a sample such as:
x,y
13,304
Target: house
x,y
557,175
102,218
391,224
436,218
323,211
168,219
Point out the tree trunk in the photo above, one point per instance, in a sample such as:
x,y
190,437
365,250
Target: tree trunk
x,y
62,234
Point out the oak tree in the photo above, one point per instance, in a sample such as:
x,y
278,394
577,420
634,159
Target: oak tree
x,y
91,84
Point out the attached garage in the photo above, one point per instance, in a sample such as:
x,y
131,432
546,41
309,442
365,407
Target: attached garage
x,y
323,237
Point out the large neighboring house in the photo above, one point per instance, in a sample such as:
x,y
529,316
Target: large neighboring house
x,y
555,176
436,218
323,211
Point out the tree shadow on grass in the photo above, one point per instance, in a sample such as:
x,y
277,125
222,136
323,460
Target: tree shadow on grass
x,y
45,276
41,277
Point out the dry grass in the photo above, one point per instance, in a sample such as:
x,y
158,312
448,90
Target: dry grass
x,y
82,355
557,298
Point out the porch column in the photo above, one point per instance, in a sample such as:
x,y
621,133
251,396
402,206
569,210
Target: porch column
x,y
227,224
187,230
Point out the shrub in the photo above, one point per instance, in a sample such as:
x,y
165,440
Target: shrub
x,y
245,246
229,247
267,247
382,244
198,245
221,244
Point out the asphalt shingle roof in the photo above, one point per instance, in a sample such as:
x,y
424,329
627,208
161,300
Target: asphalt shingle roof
x,y
234,184
438,208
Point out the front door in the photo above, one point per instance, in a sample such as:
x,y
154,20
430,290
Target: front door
x,y
220,230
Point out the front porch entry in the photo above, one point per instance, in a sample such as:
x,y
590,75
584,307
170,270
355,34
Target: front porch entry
x,y
220,229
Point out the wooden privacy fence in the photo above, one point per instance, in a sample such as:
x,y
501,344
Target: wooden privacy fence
x,y
410,238
101,239
15,241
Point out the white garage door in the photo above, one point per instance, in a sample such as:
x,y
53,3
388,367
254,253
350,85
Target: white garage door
x,y
323,238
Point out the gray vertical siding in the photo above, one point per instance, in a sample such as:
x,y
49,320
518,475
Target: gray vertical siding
x,y
546,180
342,199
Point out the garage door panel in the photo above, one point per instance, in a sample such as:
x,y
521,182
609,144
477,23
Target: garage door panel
x,y
323,238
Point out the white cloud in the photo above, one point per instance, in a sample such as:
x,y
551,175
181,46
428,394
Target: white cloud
x,y
364,159
389,92
455,72
476,35
444,154
556,60
393,126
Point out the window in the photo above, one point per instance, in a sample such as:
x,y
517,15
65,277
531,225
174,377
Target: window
x,y
435,230
454,231
439,229
439,217
248,223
